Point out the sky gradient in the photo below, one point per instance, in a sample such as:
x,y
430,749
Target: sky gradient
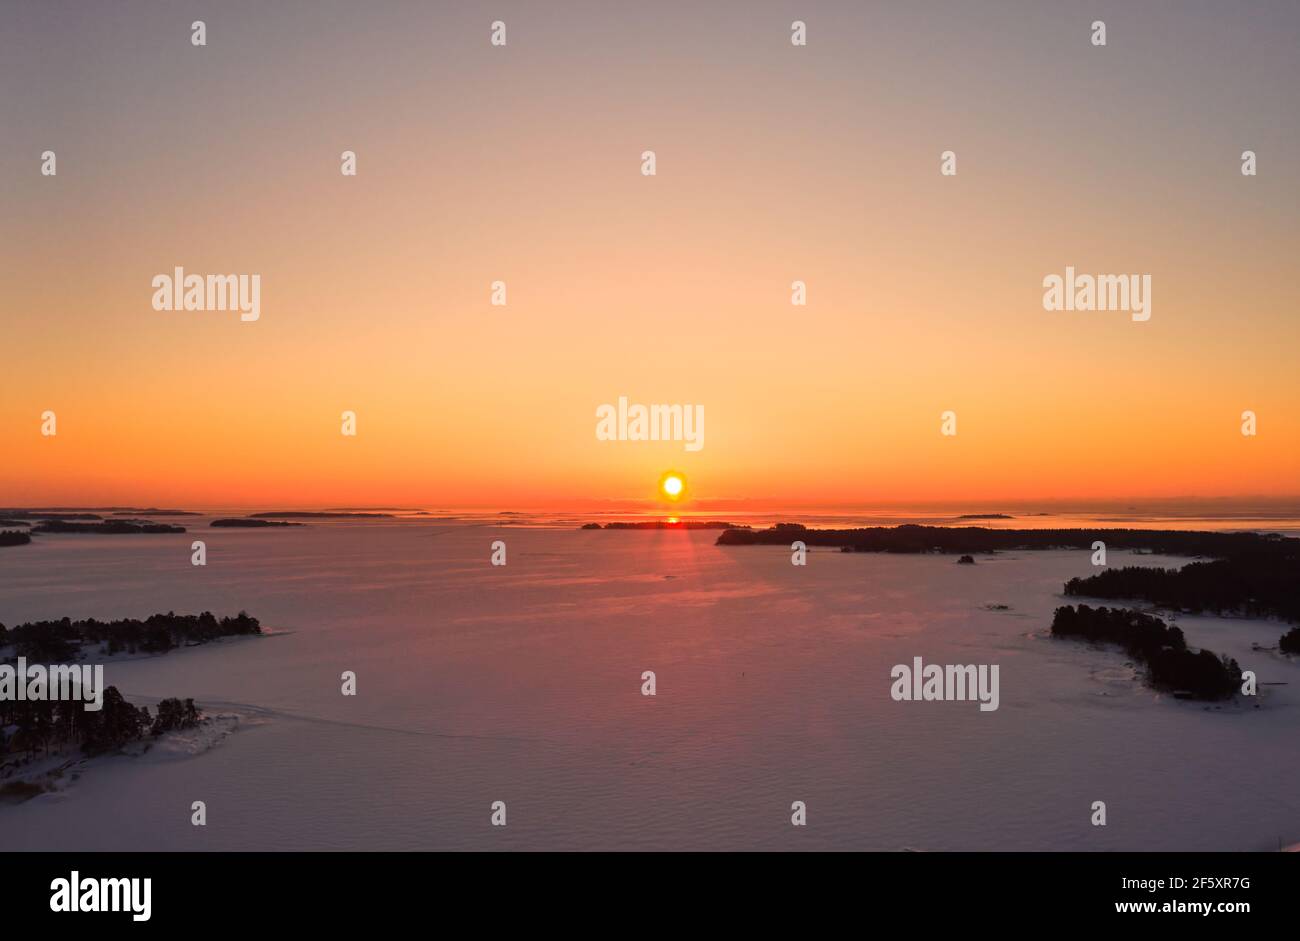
x,y
522,164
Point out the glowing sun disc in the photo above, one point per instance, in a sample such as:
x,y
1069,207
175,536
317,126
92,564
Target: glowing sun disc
x,y
672,485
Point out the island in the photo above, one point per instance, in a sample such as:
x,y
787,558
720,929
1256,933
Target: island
x,y
152,511
249,523
30,728
62,641
318,515
1250,584
34,733
107,527
373,509
669,524
1160,647
1246,574
957,540
91,512
47,515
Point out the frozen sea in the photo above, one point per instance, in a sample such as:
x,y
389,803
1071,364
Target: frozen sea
x,y
523,683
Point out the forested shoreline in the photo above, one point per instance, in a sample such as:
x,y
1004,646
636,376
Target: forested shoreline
x,y
1255,575
61,641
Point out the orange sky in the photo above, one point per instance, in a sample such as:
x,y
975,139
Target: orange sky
x,y
522,164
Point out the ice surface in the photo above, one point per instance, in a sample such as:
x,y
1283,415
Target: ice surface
x,y
479,683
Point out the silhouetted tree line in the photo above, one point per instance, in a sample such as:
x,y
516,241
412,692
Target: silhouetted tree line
x,y
32,726
976,539
60,641
174,714
1253,586
1161,647
107,527
1250,574
248,523
320,515
667,524
18,514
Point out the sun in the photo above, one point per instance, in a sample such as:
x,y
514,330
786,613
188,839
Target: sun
x,y
672,486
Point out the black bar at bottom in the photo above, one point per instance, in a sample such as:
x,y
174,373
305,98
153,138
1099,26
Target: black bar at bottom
x,y
622,891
